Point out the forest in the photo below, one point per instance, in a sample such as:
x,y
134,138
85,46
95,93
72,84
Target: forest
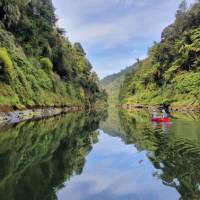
x,y
111,84
170,75
39,66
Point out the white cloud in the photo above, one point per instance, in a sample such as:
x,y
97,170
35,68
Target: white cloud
x,y
103,25
110,31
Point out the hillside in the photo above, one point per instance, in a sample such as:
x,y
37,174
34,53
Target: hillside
x,y
39,66
171,73
112,84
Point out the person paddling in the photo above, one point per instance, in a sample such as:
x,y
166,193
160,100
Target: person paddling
x,y
164,114
154,114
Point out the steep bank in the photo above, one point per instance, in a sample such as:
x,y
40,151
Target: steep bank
x,y
39,67
171,73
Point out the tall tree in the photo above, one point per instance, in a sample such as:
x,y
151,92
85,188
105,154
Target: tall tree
x,y
182,8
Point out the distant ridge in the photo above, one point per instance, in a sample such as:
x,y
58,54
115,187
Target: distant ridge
x,y
112,84
108,79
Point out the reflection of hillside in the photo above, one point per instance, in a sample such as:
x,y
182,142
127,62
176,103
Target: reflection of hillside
x,y
133,123
112,125
37,157
175,153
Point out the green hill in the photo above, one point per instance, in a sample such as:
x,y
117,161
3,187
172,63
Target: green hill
x,y
112,84
171,73
39,66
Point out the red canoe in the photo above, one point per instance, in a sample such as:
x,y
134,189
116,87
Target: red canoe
x,y
159,119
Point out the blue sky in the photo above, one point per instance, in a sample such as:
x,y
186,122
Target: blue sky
x,y
115,32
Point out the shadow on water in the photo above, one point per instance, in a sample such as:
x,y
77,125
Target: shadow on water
x,y
36,158
173,149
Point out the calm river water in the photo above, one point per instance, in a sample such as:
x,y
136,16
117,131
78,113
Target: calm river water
x,y
94,157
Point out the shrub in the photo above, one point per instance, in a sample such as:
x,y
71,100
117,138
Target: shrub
x,y
46,64
7,66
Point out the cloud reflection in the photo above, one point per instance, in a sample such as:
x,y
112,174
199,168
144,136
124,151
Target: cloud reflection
x,y
113,171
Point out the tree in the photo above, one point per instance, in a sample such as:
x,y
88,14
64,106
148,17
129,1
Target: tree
x,y
95,77
182,10
29,26
79,49
167,32
9,12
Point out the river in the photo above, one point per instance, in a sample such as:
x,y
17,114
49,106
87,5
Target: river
x,y
92,156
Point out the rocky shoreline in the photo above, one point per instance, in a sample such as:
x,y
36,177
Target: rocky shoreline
x,y
36,113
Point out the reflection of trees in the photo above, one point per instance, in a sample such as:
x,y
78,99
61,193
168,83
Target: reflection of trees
x,y
136,126
112,124
36,158
177,159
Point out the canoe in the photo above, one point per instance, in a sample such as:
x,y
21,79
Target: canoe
x,y
159,119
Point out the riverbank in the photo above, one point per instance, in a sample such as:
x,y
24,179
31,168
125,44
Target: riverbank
x,y
34,113
145,113
171,108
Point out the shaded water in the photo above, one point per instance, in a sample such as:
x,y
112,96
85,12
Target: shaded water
x,y
83,157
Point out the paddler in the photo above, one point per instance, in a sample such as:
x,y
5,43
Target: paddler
x,y
164,114
154,114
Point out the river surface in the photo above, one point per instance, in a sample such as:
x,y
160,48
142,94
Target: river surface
x,y
94,157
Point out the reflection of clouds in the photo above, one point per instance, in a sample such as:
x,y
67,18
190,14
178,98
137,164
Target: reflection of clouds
x,y
112,171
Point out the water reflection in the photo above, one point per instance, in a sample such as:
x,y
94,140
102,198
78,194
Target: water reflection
x,y
162,126
128,158
36,158
175,155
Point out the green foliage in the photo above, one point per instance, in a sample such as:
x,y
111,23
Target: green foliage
x,y
6,65
171,71
79,49
40,65
111,84
46,64
10,13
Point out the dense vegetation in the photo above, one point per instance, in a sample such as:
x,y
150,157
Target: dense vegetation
x,y
111,84
171,73
38,64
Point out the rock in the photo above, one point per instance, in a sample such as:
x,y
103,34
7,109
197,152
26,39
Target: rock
x,y
17,116
4,117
